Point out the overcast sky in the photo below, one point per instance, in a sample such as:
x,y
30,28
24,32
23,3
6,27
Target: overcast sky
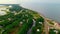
x,y
24,1
9,1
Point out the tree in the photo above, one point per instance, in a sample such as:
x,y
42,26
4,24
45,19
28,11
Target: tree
x,y
38,28
25,27
15,8
52,31
10,21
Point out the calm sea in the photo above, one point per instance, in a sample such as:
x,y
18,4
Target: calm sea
x,y
47,9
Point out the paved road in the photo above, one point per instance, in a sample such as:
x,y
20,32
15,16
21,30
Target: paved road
x,y
29,32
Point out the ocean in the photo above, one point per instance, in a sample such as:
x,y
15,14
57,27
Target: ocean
x,y
49,10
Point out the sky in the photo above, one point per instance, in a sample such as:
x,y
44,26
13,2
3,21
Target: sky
x,y
24,1
9,1
42,1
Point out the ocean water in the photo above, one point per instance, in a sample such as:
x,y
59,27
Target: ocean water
x,y
49,10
